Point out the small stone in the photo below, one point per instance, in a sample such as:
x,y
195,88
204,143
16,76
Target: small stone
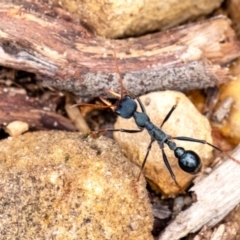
x,y
178,204
179,201
184,121
188,201
60,185
16,128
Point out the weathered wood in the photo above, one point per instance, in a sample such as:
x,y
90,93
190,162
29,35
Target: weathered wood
x,y
64,55
217,194
40,115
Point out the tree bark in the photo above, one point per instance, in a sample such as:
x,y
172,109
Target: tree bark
x,y
66,56
40,115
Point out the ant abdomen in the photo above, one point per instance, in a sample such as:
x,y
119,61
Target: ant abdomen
x,y
188,161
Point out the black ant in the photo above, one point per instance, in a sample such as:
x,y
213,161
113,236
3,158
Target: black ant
x,y
126,107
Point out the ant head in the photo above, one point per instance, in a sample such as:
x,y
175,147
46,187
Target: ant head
x,y
188,161
126,107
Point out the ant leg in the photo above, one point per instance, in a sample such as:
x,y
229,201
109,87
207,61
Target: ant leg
x,y
105,101
145,158
197,140
141,105
92,105
165,160
101,131
169,114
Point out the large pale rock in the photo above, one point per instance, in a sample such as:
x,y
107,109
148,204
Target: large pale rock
x,y
130,18
185,121
58,185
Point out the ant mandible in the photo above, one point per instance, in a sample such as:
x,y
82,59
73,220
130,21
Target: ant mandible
x,y
126,107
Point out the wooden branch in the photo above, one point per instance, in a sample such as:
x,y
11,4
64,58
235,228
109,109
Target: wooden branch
x,y
16,105
217,195
64,55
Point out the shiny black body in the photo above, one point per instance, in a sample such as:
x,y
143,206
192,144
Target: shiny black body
x,y
188,161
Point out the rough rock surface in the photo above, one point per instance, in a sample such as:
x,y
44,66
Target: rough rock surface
x,y
58,185
121,18
184,121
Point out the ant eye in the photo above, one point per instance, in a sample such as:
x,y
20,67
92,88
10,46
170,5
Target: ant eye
x,y
118,108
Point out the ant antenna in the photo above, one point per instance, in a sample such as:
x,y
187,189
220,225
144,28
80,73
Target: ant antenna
x,y
120,77
105,101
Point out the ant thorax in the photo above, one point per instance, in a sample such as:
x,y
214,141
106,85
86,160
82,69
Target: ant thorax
x,y
141,119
